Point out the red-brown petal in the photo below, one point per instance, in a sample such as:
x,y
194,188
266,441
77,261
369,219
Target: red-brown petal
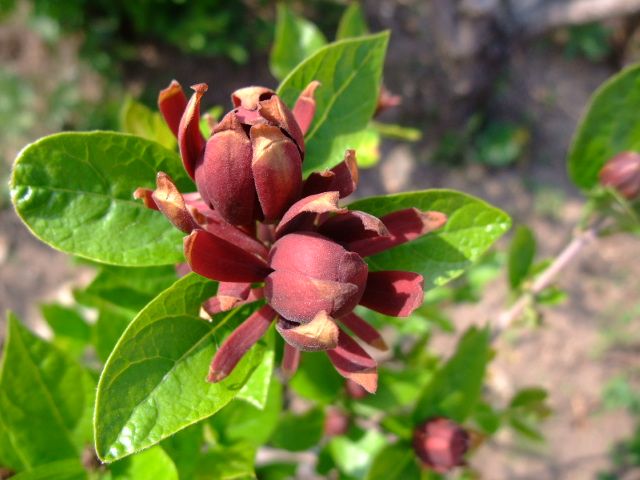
x,y
239,342
394,293
290,360
343,178
172,102
305,107
215,305
351,226
353,363
223,174
275,111
321,333
299,298
170,202
302,214
220,228
231,293
190,140
277,170
403,226
364,331
249,97
217,259
146,194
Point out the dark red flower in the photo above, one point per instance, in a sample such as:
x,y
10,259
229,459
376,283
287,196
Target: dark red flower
x,y
441,444
305,258
622,173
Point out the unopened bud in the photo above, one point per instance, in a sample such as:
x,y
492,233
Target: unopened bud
x,y
336,422
440,444
622,173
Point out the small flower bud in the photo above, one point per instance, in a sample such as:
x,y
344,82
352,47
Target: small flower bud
x,y
622,173
336,422
440,444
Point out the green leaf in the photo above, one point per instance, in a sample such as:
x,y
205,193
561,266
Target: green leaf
x,y
350,72
456,387
70,469
396,462
353,457
109,327
316,379
472,226
367,146
256,390
227,463
609,126
299,432
138,119
397,132
153,384
242,422
352,23
295,40
184,449
71,332
46,400
521,253
152,464
74,192
528,397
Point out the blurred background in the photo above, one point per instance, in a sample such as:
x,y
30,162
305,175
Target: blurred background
x,y
496,88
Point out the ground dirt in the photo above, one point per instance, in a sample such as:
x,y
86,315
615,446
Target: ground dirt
x,y
571,353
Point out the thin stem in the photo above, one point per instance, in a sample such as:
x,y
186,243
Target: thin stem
x,y
570,252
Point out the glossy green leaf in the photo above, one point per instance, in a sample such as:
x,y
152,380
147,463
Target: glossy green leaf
x,y
70,469
299,432
472,227
295,40
74,192
152,464
350,72
609,126
396,462
138,119
521,253
71,332
316,378
108,329
352,23
153,384
455,388
256,390
353,456
46,400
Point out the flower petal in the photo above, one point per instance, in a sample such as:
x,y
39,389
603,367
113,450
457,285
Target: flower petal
x,y
223,173
231,293
302,214
305,107
190,140
216,304
343,178
275,111
394,293
172,102
299,298
352,226
146,194
170,202
319,334
249,97
403,226
220,228
239,342
364,331
277,170
290,360
353,363
217,259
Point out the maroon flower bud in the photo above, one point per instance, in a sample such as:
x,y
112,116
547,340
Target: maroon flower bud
x,y
622,173
440,444
336,422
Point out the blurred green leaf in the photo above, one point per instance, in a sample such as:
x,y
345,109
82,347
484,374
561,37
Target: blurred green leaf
x,y
184,448
551,296
352,23
138,119
500,144
527,397
396,462
353,456
74,191
295,40
350,73
397,132
151,464
227,463
277,471
316,378
487,418
521,253
299,432
70,469
71,332
592,41
256,390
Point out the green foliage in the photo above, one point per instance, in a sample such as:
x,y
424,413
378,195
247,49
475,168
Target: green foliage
x,y
74,191
353,454
295,40
592,41
299,432
45,402
608,127
70,469
472,227
153,384
151,464
521,253
352,24
350,74
138,119
500,144
396,462
71,331
316,379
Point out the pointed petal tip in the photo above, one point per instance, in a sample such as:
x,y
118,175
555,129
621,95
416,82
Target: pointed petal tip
x,y
200,88
432,220
366,379
379,344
